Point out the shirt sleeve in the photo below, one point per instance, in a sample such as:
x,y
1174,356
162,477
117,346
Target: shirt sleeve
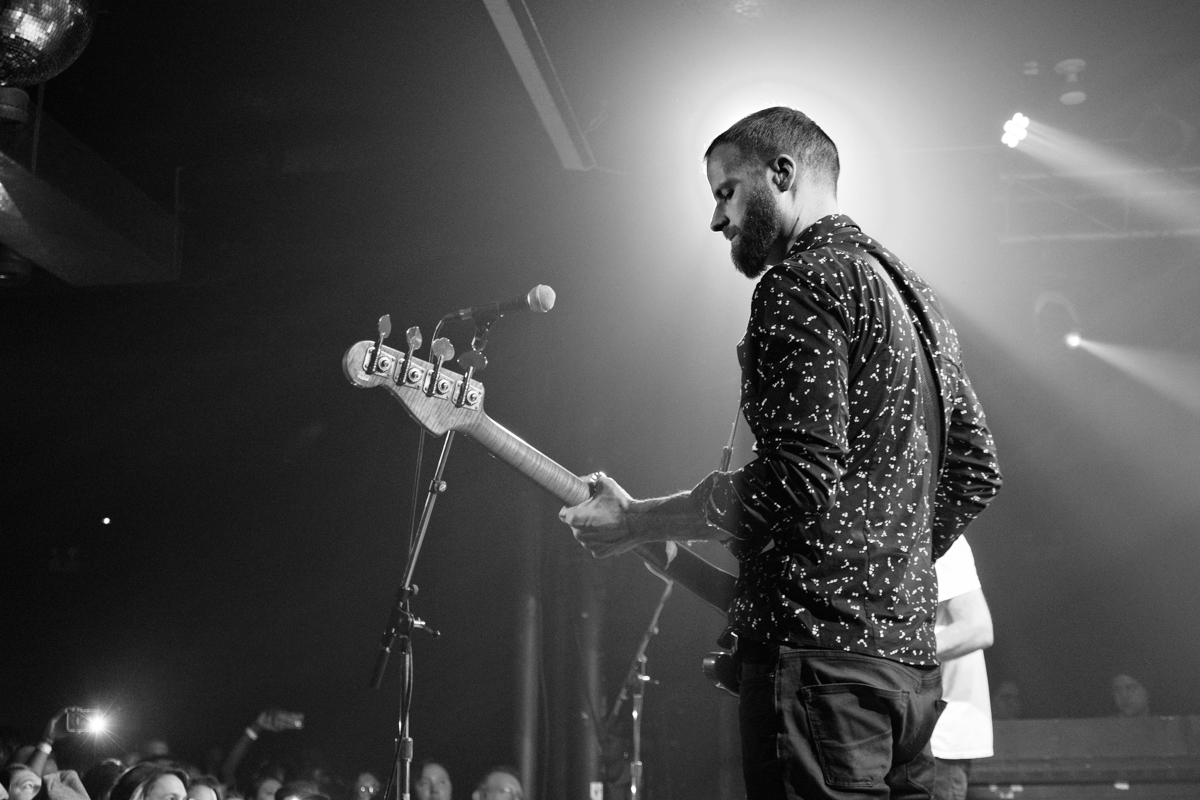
x,y
971,475
798,347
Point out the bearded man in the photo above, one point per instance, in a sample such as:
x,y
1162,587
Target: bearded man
x,y
872,456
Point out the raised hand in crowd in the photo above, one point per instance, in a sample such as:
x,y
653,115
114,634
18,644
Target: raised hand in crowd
x,y
274,720
55,729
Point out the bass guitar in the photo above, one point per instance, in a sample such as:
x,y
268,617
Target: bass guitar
x,y
441,400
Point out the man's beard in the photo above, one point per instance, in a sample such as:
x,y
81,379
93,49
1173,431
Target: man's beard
x,y
761,225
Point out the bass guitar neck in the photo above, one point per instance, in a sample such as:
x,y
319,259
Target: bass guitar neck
x,y
437,399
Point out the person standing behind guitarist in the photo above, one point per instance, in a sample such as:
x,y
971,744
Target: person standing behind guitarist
x,y
867,468
964,631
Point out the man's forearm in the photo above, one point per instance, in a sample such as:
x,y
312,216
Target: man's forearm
x,y
674,518
955,642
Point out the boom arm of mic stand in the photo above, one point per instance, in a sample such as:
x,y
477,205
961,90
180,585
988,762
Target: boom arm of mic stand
x,y
400,616
635,669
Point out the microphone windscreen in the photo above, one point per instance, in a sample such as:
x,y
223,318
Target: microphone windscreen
x,y
540,298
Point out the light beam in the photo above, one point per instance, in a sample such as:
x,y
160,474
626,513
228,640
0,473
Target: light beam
x,y
1176,376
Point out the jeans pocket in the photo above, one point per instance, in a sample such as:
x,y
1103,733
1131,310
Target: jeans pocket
x,y
851,725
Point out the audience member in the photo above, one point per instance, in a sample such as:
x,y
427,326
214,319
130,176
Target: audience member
x,y
273,721
366,786
10,740
300,790
205,787
20,781
432,781
264,787
1006,702
499,784
99,780
1130,697
150,780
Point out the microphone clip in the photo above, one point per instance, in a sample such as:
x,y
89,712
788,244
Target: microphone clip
x,y
483,326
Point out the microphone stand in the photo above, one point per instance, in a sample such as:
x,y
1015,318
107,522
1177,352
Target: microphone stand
x,y
638,678
637,675
402,622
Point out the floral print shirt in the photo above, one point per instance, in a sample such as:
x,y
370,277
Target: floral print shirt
x,y
837,521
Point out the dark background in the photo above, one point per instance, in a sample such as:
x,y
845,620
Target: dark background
x,y
337,161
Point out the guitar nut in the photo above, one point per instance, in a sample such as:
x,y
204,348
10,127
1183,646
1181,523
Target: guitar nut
x,y
384,363
443,386
414,375
472,397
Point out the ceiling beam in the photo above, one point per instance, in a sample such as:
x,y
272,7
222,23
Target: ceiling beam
x,y
548,96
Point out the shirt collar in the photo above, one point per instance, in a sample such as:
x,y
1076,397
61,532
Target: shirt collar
x,y
822,232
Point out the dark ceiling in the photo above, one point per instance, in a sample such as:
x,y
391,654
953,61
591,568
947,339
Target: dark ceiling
x,y
332,162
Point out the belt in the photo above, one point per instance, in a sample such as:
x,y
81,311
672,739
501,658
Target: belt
x,y
748,650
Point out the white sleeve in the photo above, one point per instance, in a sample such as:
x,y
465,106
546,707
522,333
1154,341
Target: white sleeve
x,y
956,571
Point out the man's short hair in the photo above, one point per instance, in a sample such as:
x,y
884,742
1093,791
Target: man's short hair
x,y
773,131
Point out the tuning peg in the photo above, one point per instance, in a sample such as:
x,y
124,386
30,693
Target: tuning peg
x,y
413,335
385,328
441,349
473,360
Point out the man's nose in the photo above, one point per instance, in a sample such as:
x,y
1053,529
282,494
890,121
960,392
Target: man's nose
x,y
719,220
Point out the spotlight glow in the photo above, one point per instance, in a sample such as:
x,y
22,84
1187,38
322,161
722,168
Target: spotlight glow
x,y
1073,339
97,724
1015,130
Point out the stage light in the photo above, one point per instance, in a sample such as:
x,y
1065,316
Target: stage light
x,y
1073,339
97,724
1015,129
1073,95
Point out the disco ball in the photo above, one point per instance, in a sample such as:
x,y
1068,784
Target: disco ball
x,y
41,38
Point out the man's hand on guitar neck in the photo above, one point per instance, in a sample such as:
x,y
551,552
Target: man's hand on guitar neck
x,y
611,522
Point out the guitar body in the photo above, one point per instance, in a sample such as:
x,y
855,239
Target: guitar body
x,y
720,667
441,400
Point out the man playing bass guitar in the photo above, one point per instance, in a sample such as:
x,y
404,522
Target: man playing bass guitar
x,y
872,456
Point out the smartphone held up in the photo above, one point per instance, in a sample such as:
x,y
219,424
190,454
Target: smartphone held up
x,y
86,720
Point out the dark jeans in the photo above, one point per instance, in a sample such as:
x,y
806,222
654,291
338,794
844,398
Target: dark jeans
x,y
953,775
826,724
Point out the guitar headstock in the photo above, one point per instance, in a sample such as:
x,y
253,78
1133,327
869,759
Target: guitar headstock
x,y
440,407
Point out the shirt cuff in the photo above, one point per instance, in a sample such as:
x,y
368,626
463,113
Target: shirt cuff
x,y
716,500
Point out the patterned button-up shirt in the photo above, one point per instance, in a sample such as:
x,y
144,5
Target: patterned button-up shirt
x,y
837,520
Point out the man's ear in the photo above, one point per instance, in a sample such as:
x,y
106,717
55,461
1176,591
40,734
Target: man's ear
x,y
784,172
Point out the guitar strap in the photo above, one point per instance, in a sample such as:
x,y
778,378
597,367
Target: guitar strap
x,y
928,380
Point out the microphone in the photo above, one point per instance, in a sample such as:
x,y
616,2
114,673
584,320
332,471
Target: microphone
x,y
540,299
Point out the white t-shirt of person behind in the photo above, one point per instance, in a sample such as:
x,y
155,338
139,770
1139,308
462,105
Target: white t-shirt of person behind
x,y
965,728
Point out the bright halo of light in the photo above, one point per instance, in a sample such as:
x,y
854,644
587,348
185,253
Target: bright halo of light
x,y
866,184
1073,339
97,724
1015,130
